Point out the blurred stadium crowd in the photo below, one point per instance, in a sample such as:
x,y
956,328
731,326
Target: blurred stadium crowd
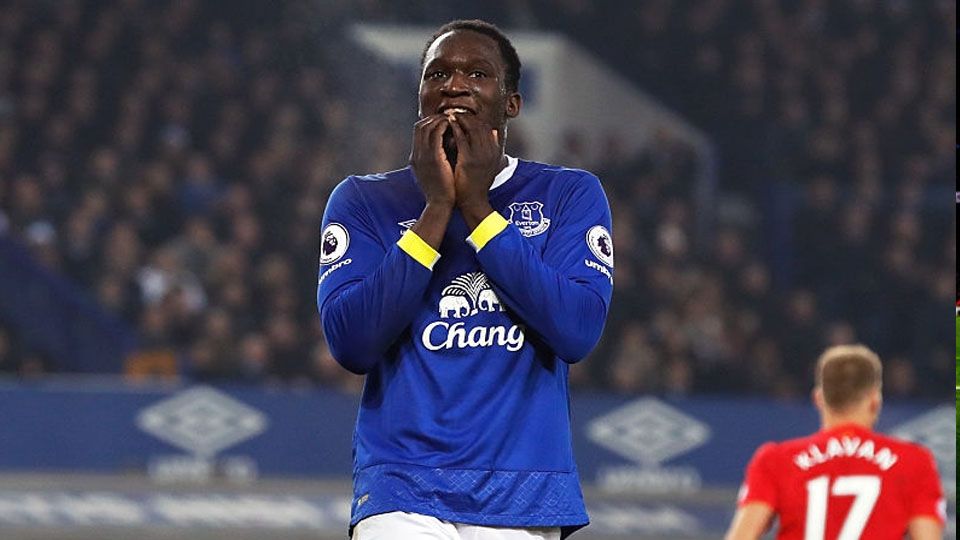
x,y
174,158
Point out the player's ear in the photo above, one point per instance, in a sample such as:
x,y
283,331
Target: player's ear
x,y
817,396
514,103
876,402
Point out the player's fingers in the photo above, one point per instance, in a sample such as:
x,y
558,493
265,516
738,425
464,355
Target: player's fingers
x,y
425,127
482,136
424,120
459,135
422,131
421,128
468,124
436,137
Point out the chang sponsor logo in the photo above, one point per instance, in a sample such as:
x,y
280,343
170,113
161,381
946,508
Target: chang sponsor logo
x,y
440,335
468,295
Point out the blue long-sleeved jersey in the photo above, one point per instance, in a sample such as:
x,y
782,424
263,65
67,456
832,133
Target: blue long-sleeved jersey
x,y
465,410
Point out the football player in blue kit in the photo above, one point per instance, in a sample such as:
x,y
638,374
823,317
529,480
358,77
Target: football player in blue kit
x,y
463,286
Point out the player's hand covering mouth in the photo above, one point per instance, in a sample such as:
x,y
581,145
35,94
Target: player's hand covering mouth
x,y
455,109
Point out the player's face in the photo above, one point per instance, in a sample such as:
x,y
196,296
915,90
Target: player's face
x,y
463,69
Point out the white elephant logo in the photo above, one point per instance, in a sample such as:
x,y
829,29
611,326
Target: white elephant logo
x,y
456,304
488,301
468,295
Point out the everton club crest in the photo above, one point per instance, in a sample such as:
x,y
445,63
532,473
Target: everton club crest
x,y
528,217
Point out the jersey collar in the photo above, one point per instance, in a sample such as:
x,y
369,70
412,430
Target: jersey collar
x,y
506,173
848,427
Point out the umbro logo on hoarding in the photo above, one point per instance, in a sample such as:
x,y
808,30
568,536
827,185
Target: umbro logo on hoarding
x,y
648,432
202,421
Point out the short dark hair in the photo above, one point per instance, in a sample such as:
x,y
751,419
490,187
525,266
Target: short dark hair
x,y
846,374
507,52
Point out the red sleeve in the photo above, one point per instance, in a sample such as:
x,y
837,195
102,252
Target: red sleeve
x,y
760,483
927,500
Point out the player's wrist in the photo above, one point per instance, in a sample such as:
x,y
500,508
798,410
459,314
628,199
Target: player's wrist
x,y
440,204
433,224
437,212
474,212
474,204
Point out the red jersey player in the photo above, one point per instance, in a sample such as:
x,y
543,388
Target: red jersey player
x,y
845,482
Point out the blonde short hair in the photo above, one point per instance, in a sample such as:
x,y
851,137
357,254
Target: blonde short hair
x,y
846,374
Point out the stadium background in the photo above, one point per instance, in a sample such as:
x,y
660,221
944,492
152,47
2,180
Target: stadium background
x,y
164,166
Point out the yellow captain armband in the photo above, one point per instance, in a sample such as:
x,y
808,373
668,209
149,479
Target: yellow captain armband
x,y
421,251
491,226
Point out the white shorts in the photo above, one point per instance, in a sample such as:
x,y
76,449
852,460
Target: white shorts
x,y
407,526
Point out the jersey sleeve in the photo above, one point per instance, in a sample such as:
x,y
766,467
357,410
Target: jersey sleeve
x,y
759,484
564,294
365,287
927,498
